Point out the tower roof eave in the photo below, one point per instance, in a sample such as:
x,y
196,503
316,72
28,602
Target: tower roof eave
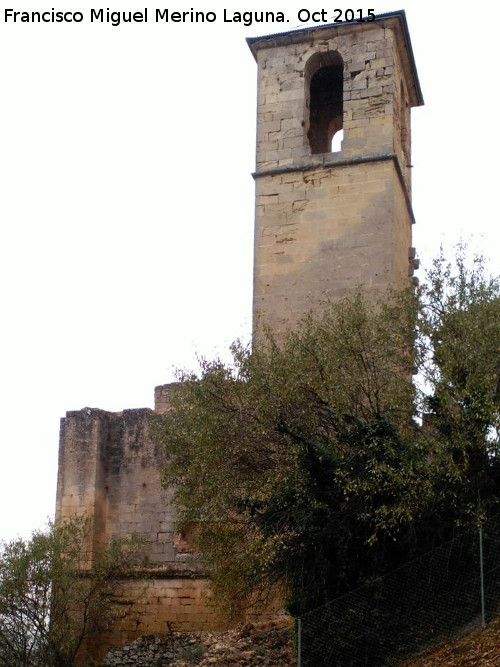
x,y
303,34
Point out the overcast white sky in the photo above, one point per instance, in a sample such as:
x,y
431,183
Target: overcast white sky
x,y
126,211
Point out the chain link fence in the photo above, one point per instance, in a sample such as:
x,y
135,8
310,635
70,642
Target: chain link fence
x,y
453,588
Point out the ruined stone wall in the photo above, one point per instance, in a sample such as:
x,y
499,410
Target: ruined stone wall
x,y
109,469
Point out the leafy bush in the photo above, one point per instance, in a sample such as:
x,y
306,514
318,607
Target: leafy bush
x,y
53,595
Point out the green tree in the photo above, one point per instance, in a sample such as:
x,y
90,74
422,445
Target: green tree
x,y
51,600
459,329
295,456
314,463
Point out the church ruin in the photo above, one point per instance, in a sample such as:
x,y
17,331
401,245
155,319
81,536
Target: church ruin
x,y
330,215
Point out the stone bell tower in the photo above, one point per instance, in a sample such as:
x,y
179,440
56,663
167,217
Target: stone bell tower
x,y
328,218
332,215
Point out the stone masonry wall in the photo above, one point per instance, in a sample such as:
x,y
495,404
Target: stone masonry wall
x,y
327,223
109,469
376,62
340,232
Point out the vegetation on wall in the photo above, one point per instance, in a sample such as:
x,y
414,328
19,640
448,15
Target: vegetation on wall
x,y
304,462
52,599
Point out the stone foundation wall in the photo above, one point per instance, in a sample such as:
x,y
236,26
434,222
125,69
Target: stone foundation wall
x,y
157,607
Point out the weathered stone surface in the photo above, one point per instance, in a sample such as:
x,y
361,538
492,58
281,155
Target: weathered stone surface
x,y
109,469
325,223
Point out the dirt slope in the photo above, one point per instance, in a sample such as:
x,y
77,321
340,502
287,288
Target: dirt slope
x,y
270,645
477,647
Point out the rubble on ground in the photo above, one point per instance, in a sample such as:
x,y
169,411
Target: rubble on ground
x,y
265,644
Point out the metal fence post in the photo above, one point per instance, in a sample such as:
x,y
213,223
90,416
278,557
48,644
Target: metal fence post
x,y
299,642
481,571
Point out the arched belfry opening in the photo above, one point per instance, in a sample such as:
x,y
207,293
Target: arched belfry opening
x,y
324,76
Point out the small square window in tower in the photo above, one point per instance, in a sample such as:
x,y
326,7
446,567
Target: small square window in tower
x,y
324,77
